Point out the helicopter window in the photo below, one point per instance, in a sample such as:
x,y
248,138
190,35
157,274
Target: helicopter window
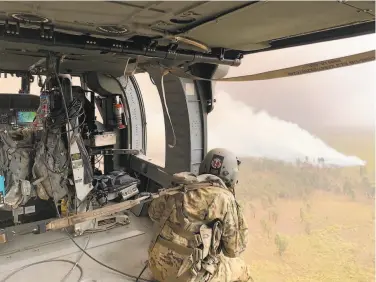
x,y
155,127
76,81
10,84
98,115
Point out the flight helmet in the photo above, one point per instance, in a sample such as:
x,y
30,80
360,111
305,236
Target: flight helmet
x,y
222,163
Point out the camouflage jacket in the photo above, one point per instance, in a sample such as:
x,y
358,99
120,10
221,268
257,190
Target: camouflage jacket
x,y
206,205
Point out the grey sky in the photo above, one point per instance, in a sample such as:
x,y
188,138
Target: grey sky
x,y
341,98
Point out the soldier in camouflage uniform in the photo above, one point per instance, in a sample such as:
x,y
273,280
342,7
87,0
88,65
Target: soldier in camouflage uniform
x,y
201,230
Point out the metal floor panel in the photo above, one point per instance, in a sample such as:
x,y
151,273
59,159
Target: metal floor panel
x,y
123,248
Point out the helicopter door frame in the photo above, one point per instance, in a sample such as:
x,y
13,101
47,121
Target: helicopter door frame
x,y
188,104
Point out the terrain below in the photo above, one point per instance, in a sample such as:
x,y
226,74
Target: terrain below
x,y
308,224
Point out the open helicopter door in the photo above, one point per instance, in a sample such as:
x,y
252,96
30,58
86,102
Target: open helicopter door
x,y
185,104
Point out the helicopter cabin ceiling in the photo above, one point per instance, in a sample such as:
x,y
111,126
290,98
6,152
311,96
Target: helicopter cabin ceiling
x,y
239,26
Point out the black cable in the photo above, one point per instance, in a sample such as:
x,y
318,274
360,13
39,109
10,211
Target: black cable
x,y
74,110
65,108
41,262
57,117
142,271
76,264
107,266
74,104
98,159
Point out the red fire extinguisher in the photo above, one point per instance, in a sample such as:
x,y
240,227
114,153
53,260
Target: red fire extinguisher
x,y
118,111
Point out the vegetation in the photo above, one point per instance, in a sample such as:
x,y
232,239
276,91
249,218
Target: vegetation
x,y
279,180
273,216
281,243
321,221
265,227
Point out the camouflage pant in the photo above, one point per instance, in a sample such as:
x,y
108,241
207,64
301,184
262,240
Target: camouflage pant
x,y
164,265
232,270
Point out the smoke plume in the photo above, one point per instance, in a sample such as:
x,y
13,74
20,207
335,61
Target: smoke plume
x,y
236,126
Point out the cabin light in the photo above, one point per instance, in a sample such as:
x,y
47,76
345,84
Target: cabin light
x,y
30,18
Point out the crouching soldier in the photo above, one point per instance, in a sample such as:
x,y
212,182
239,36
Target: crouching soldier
x,y
201,230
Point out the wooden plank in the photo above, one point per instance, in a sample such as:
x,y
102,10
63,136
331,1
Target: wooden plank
x,y
89,215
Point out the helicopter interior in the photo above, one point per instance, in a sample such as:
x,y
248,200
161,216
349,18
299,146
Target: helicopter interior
x,y
105,44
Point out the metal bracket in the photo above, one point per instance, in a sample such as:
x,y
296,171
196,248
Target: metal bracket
x,y
64,40
51,64
40,81
222,54
152,46
46,33
41,228
11,31
130,72
26,80
114,152
173,47
3,236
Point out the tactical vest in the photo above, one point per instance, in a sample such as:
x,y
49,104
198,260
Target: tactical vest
x,y
15,156
203,237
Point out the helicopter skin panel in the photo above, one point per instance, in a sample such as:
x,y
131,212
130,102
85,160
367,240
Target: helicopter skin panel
x,y
237,25
170,33
256,26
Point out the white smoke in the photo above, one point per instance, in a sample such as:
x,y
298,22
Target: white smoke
x,y
236,126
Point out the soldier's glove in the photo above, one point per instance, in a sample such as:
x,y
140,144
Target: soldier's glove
x,y
145,194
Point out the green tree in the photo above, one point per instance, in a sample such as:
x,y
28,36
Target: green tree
x,y
253,209
307,228
265,227
303,215
281,243
273,216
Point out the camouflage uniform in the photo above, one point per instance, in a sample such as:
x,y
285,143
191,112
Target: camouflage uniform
x,y
206,205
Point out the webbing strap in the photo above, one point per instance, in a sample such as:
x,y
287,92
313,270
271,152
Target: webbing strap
x,y
166,214
185,251
180,231
186,188
292,71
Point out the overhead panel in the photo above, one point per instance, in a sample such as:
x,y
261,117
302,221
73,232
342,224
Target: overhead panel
x,y
136,27
141,18
184,16
242,25
262,22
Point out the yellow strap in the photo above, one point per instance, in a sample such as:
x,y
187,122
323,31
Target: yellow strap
x,y
166,214
184,188
292,71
